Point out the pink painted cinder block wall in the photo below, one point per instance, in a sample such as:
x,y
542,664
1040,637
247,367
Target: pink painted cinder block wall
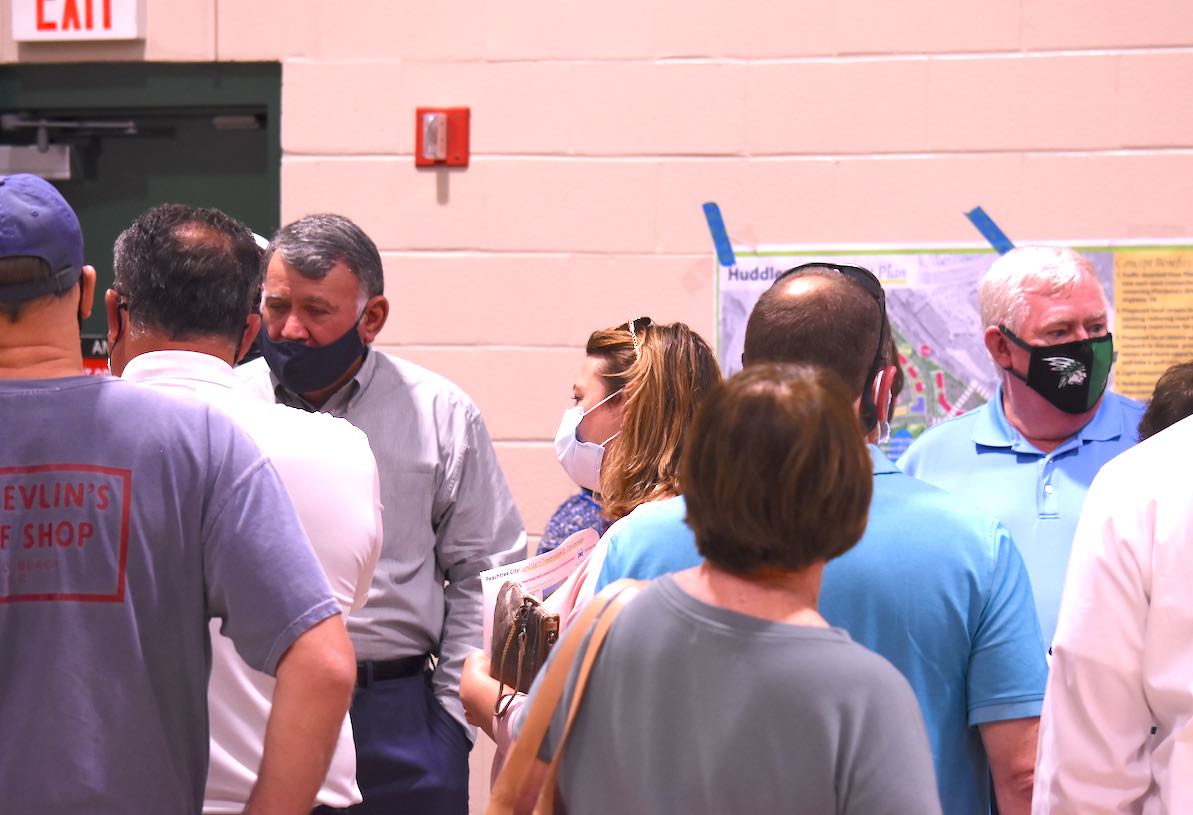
x,y
599,129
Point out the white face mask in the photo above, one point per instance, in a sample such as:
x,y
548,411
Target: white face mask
x,y
883,427
581,460
884,432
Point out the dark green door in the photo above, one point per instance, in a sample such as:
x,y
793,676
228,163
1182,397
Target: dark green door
x,y
201,134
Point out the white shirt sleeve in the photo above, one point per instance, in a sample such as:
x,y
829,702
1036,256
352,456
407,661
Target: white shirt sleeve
x,y
1123,654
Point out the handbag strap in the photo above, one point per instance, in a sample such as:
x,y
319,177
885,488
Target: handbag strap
x,y
546,803
504,699
521,760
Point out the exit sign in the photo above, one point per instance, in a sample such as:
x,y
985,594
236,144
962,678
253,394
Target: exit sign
x,y
56,20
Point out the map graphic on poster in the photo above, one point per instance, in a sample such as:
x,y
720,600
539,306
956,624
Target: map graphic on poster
x,y
932,303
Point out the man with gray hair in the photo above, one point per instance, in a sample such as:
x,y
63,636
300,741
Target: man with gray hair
x,y
448,513
1029,454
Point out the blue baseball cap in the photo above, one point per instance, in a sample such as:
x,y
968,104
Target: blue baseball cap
x,y
36,221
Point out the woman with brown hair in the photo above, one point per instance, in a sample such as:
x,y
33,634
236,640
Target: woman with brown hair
x,y
674,369
648,379
721,688
593,421
637,390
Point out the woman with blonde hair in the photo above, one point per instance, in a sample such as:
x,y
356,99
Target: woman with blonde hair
x,y
623,439
592,421
673,371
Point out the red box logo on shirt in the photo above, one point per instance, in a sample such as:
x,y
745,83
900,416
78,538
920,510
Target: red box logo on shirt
x,y
63,533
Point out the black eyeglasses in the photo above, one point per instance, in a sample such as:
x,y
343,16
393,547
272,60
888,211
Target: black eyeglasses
x,y
632,325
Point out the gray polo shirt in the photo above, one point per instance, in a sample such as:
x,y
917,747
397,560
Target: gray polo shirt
x,y
447,512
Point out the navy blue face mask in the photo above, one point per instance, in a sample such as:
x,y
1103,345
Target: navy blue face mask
x,y
304,369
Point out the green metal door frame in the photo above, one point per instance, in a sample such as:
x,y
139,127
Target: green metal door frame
x,y
120,176
161,85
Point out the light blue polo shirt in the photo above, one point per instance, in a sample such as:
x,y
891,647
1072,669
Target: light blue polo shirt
x,y
652,540
936,588
980,457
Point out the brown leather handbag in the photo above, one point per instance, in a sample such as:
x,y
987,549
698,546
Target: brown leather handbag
x,y
523,633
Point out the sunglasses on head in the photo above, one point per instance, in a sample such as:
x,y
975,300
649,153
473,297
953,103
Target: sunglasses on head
x,y
633,325
863,277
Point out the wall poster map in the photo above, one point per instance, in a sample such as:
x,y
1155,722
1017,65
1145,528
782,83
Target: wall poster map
x,y
932,301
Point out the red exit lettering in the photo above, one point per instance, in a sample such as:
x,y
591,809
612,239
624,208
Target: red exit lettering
x,y
71,19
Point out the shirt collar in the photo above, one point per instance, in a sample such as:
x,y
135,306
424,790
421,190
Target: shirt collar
x,y
192,365
1108,423
880,462
338,401
992,428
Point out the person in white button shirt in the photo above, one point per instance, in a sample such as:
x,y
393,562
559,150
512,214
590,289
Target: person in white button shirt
x,y
182,310
1122,659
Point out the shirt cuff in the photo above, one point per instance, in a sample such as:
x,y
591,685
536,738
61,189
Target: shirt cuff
x,y
1027,707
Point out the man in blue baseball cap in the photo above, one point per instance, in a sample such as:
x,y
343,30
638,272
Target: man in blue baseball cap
x,y
128,518
37,224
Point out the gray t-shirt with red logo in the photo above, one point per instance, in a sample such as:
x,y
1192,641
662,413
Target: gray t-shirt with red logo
x,y
128,518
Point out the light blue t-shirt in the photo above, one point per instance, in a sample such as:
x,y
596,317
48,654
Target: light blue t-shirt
x,y
936,588
982,458
652,540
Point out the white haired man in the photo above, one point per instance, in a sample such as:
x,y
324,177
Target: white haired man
x,y
1029,454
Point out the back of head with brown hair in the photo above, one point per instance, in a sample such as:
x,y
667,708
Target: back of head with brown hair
x,y
776,476
818,316
1171,401
672,373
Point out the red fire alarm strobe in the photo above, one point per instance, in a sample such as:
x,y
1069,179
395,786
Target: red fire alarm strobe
x,y
441,137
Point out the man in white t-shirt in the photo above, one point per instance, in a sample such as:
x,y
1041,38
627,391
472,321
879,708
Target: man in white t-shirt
x,y
181,311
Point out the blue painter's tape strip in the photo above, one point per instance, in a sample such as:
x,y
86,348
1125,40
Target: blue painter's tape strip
x,y
720,238
990,231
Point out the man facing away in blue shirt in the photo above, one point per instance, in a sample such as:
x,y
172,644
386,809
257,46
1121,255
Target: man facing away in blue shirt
x,y
1029,454
935,587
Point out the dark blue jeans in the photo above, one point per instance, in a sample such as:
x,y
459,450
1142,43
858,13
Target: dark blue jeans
x,y
411,755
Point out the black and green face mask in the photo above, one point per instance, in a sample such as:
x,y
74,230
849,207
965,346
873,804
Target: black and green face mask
x,y
1072,375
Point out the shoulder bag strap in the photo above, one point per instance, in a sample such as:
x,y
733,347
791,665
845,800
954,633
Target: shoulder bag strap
x,y
538,717
626,593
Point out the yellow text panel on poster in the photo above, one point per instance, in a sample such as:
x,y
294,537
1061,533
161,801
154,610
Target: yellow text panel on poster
x,y
1153,324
